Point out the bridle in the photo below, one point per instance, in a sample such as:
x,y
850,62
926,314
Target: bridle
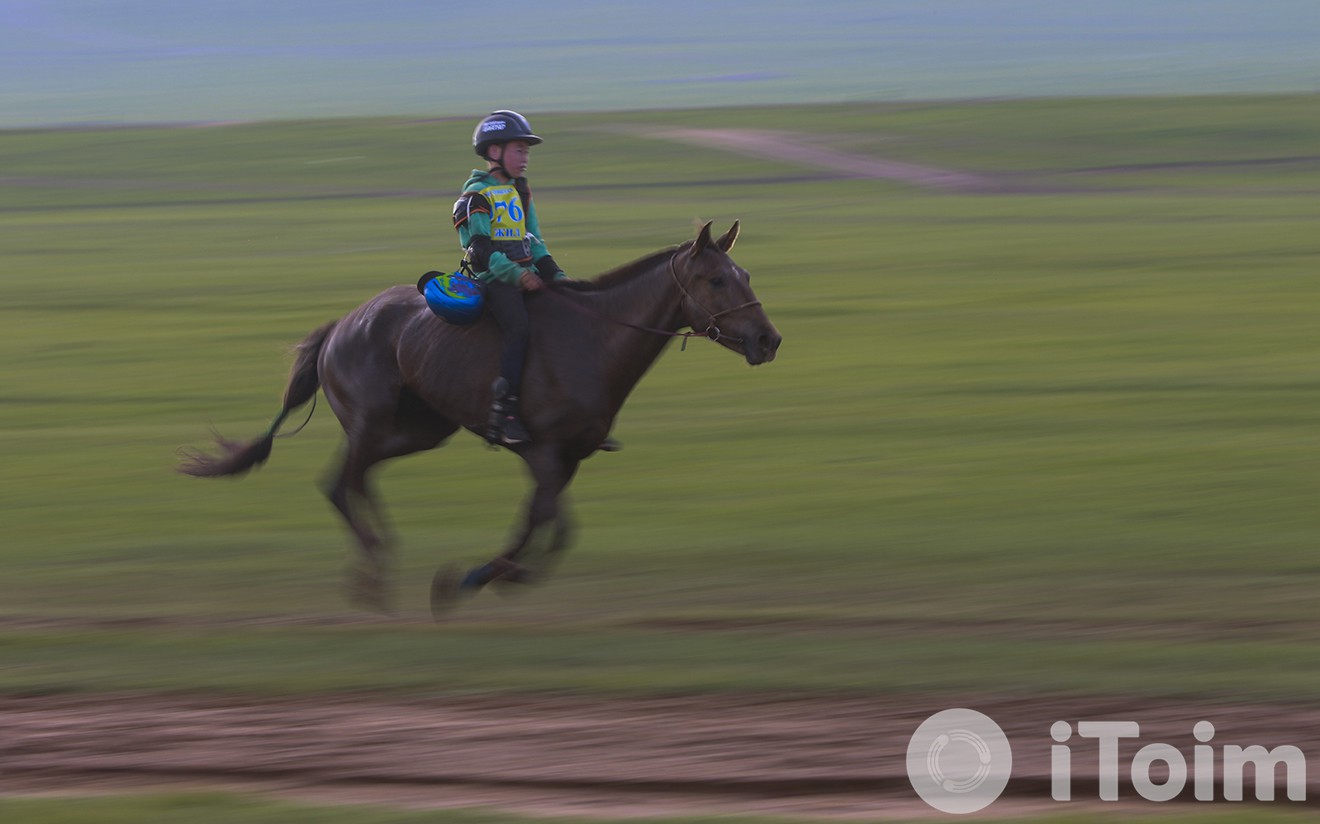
x,y
712,331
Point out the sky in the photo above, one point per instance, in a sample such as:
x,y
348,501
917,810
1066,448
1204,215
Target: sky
x,y
132,61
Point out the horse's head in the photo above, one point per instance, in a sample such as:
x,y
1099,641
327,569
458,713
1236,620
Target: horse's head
x,y
718,297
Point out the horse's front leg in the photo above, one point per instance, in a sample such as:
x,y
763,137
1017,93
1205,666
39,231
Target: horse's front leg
x,y
544,525
546,532
545,529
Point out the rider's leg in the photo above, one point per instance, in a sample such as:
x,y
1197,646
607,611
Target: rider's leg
x,y
508,308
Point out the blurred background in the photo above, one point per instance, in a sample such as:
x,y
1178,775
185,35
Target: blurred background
x,y
65,61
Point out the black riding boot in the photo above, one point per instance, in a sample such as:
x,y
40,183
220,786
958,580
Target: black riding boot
x,y
506,427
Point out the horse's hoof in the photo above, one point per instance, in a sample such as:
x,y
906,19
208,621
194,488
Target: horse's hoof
x,y
446,591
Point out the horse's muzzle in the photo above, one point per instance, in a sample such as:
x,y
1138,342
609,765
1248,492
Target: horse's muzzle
x,y
762,347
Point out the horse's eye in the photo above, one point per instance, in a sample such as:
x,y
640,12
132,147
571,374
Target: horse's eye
x,y
717,281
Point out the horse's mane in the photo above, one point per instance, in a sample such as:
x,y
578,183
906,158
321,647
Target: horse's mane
x,y
622,274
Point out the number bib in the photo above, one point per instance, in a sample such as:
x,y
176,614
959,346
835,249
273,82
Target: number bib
x,y
508,222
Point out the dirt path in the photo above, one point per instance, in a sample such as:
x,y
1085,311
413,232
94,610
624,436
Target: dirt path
x,y
814,757
795,148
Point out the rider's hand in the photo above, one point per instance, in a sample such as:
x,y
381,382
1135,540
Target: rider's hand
x,y
529,282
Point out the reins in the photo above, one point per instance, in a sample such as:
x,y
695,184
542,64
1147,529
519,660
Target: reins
x,y
712,331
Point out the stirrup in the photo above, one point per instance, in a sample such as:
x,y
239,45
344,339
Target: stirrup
x,y
506,427
512,432
498,435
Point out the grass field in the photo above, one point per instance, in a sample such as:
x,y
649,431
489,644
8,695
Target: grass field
x,y
1015,444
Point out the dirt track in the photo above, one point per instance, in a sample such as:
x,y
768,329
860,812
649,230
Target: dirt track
x,y
816,757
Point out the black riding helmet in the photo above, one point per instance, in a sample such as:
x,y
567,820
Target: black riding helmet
x,y
502,126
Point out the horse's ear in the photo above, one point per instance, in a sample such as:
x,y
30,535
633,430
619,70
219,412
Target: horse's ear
x,y
730,237
703,240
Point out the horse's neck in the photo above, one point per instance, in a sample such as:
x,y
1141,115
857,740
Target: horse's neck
x,y
648,300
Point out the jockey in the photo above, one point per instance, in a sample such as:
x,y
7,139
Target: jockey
x,y
498,229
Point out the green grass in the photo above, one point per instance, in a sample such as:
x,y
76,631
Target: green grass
x,y
1013,443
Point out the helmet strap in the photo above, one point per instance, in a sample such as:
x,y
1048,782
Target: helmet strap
x,y
499,164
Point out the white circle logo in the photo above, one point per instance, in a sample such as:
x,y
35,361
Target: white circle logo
x,y
959,761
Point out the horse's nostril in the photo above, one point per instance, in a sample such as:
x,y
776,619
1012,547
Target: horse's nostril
x,y
766,345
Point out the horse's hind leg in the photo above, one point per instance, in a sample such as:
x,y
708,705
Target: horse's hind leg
x,y
353,495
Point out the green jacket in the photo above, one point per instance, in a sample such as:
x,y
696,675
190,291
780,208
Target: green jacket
x,y
508,258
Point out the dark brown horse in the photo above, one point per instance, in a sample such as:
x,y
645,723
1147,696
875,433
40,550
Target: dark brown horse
x,y
401,380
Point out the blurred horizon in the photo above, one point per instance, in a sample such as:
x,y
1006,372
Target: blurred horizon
x,y
75,62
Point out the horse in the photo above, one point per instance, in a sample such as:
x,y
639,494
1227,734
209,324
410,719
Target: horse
x,y
401,380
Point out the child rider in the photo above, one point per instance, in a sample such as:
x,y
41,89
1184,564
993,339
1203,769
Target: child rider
x,y
497,226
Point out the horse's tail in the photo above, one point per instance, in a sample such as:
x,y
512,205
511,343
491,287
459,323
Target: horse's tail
x,y
236,458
